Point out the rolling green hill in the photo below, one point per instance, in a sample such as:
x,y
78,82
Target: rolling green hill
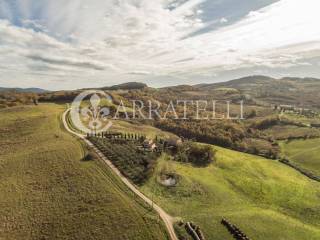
x,y
47,190
266,199
305,153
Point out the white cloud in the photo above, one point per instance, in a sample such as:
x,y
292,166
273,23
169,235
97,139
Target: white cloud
x,y
103,40
223,20
139,72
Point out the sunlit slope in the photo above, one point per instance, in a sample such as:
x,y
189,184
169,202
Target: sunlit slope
x,y
139,128
265,198
305,153
48,192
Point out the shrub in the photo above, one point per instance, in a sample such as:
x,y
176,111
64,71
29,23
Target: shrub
x,y
89,156
266,123
199,155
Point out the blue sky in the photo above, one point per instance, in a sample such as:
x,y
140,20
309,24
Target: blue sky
x,y
58,44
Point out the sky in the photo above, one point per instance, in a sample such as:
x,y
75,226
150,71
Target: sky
x,y
59,44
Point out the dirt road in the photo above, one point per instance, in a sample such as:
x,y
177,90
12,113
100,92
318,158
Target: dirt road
x,y
167,219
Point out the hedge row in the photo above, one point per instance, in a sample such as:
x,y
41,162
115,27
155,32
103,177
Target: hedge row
x,y
301,170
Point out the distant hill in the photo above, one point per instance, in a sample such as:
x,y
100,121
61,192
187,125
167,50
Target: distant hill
x,y
181,88
240,83
252,82
24,90
296,91
127,86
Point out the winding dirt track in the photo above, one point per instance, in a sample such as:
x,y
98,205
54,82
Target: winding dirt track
x,y
167,219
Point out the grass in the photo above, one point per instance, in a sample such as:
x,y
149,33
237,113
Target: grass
x,y
289,131
130,126
48,192
265,199
301,119
139,128
305,153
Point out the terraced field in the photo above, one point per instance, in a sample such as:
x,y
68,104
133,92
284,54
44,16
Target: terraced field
x,y
48,191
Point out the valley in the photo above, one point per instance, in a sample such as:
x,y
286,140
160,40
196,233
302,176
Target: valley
x,y
200,172
159,120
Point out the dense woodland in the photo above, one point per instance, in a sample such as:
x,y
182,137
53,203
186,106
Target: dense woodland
x,y
225,134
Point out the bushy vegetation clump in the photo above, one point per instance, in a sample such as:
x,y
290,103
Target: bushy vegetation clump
x,y
12,99
266,123
197,154
89,156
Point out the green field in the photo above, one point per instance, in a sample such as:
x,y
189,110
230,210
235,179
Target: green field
x,y
47,190
136,127
301,119
305,153
289,131
266,199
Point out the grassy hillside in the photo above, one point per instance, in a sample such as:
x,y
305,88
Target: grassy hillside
x,y
266,199
136,127
289,131
47,190
305,153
